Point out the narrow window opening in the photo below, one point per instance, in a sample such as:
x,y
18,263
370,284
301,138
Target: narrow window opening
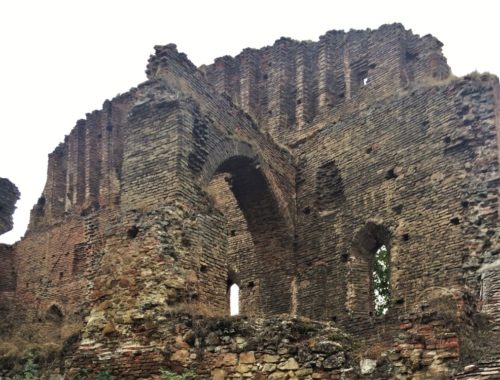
x,y
381,285
234,299
364,81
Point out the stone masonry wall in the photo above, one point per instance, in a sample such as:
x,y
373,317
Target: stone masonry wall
x,y
274,348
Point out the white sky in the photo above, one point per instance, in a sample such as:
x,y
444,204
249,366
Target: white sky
x,y
62,59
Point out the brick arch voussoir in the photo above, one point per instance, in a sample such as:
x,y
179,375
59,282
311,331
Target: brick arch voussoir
x,y
223,152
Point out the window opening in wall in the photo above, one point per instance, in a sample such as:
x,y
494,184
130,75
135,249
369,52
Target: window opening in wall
x,y
54,314
234,299
381,285
364,81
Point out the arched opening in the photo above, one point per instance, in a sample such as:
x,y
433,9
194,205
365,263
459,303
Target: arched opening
x,y
258,246
368,281
54,314
234,299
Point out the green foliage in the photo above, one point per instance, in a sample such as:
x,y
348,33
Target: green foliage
x,y
381,281
30,369
169,375
82,374
104,375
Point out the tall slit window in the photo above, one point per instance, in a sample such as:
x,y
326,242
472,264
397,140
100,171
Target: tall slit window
x,y
381,285
234,299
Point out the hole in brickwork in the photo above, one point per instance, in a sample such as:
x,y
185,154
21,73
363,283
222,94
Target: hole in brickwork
x,y
447,140
465,204
265,77
455,221
203,268
54,314
185,241
359,75
234,299
307,210
424,126
398,209
109,128
410,56
132,232
391,174
405,237
232,233
329,186
251,285
369,150
61,275
198,156
299,102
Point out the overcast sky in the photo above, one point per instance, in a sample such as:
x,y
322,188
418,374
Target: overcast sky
x,y
62,59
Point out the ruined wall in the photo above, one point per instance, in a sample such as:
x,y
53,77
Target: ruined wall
x,y
281,170
287,86
410,165
223,348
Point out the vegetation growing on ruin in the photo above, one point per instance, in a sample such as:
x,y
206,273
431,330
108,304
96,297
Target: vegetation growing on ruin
x,y
381,281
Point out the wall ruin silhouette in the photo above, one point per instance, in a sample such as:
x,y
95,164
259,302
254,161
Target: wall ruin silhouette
x,y
282,170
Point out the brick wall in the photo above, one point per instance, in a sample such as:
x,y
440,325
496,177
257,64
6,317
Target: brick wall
x,y
281,170
290,84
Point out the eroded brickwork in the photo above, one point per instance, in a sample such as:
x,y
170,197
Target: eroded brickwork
x,y
281,170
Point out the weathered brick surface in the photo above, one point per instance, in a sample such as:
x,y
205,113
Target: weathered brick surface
x,y
282,170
